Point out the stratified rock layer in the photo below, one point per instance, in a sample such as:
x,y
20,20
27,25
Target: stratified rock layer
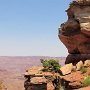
x,y
75,33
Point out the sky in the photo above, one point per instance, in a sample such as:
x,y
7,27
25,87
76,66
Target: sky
x,y
30,27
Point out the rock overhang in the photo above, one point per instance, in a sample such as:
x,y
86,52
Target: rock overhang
x,y
75,32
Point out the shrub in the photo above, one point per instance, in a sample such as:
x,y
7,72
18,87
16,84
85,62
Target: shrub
x,y
50,65
83,69
45,63
86,81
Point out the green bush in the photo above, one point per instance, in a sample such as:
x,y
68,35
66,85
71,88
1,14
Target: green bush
x,y
83,69
50,65
86,81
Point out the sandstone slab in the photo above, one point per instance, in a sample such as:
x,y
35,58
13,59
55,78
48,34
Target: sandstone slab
x,y
66,69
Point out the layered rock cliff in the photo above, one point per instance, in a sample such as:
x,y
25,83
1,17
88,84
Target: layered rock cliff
x,y
75,32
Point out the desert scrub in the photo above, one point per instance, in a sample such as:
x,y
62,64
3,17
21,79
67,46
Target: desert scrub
x,y
86,81
50,65
83,69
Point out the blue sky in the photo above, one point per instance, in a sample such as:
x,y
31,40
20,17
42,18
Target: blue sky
x,y
30,27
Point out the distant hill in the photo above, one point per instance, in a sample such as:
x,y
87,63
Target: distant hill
x,y
20,63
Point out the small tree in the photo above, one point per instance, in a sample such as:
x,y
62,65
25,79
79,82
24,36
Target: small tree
x,y
50,65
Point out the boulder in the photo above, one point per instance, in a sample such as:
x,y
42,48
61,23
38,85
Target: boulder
x,y
73,80
36,83
79,65
34,70
66,69
74,68
87,63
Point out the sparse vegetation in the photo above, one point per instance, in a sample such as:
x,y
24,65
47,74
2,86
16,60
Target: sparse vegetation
x,y
50,65
83,69
86,81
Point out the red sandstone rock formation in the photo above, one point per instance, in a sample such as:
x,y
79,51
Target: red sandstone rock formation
x,y
75,33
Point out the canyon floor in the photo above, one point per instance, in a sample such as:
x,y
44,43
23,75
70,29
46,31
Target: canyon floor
x,y
12,70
